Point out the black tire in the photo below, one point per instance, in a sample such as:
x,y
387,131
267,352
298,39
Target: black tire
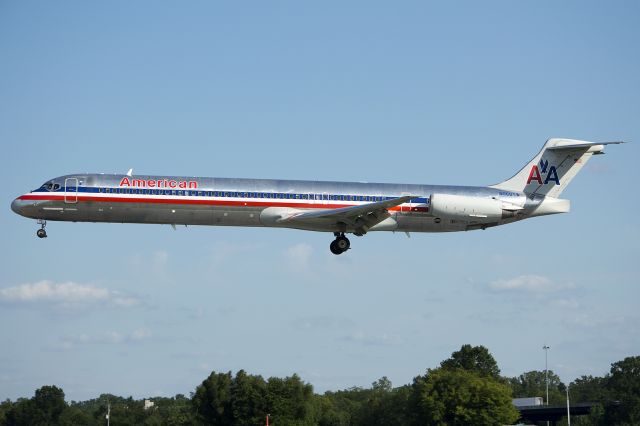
x,y
41,233
343,244
334,247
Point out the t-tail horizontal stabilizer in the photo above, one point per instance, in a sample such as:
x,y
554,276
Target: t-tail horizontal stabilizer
x,y
551,171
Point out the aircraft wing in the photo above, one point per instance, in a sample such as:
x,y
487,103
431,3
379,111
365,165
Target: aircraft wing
x,y
360,218
355,211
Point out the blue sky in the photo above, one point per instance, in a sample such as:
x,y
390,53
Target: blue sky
x,y
415,92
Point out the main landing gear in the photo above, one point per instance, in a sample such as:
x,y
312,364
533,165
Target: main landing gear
x,y
41,233
340,244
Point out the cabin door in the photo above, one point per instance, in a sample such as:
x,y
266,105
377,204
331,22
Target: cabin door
x,y
71,190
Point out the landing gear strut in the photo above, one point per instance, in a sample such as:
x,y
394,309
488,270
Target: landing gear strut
x,y
340,244
41,233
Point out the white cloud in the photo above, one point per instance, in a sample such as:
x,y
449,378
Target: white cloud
x,y
224,250
529,283
299,255
107,338
382,339
160,257
64,294
322,323
569,303
592,320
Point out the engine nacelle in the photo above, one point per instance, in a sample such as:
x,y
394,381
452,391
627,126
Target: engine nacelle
x,y
466,208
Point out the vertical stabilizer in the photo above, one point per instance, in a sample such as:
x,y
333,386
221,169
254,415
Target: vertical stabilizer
x,y
549,172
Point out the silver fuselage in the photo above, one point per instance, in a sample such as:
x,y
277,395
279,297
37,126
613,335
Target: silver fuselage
x,y
242,202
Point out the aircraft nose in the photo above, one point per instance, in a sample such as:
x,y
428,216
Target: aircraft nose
x,y
17,205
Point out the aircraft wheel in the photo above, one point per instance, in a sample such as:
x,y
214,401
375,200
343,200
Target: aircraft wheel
x,y
41,233
342,243
334,247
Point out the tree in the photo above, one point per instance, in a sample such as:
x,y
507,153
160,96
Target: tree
x,y
212,399
624,386
590,389
75,416
248,402
44,408
22,412
328,413
289,400
473,358
5,406
347,404
533,383
460,397
176,411
49,401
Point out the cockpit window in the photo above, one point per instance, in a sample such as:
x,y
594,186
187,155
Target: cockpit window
x,y
50,186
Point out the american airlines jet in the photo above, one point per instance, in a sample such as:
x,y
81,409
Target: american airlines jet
x,y
337,207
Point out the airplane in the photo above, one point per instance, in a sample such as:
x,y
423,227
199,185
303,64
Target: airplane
x,y
337,207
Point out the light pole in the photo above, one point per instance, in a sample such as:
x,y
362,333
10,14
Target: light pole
x,y
546,372
568,411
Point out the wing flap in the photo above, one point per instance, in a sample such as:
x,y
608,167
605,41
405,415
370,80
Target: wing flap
x,y
351,212
356,219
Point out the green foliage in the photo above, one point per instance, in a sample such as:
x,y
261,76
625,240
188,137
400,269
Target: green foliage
x,y
477,359
466,389
75,416
624,385
589,389
176,411
532,383
212,400
222,399
248,399
460,397
5,406
22,412
289,400
49,403
44,408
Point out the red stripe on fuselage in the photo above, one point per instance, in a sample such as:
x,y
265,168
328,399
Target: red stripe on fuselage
x,y
217,202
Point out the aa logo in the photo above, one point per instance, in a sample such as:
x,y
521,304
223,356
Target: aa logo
x,y
550,172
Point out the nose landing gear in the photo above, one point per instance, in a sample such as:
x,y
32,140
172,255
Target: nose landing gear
x,y
340,244
41,233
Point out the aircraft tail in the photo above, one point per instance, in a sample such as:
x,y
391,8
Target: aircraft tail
x,y
551,171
